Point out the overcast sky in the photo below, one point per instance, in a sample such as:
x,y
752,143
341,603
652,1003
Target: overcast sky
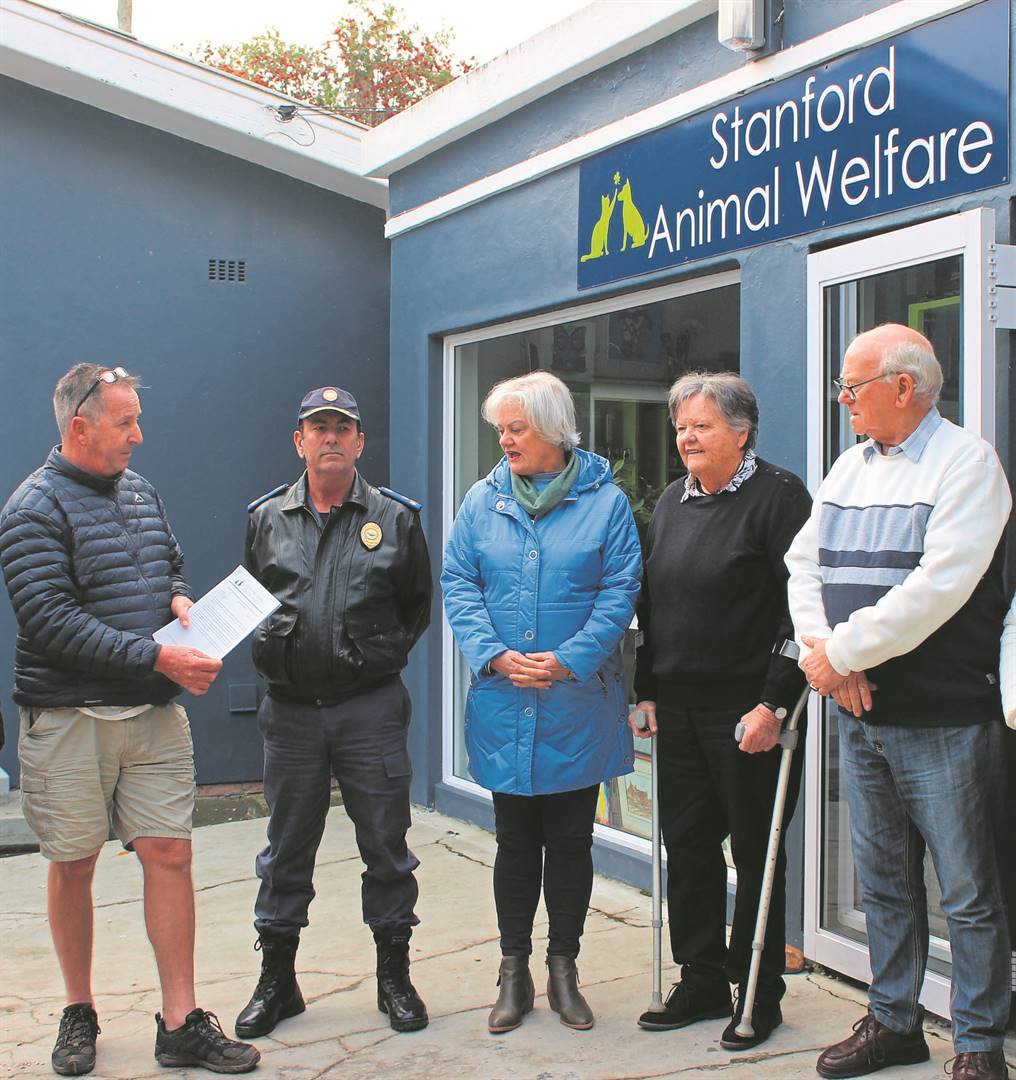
x,y
484,28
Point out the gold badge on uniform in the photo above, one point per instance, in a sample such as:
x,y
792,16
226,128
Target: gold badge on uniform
x,y
370,535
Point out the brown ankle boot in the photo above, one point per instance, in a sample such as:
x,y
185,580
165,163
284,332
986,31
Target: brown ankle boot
x,y
563,993
516,997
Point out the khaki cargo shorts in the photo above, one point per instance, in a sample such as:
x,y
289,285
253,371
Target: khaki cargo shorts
x,y
81,777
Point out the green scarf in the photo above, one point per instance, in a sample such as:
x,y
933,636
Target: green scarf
x,y
539,503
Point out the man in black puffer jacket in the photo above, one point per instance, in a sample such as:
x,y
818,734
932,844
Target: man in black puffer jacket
x,y
93,570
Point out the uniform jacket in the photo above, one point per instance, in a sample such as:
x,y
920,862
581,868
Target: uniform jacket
x,y
91,566
350,612
563,583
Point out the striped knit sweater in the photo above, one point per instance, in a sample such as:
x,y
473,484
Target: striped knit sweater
x,y
900,567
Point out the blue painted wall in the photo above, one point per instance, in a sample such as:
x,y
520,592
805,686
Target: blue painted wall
x,y
514,255
660,71
107,229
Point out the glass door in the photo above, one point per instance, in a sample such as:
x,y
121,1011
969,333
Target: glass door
x,y
931,277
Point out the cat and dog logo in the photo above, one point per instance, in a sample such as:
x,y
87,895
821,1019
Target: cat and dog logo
x,y
635,232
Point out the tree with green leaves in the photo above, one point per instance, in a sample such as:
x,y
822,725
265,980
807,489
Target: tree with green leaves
x,y
372,66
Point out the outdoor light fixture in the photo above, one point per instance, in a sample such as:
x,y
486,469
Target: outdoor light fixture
x,y
741,24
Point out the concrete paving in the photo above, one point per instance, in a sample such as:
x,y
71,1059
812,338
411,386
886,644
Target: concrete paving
x,y
455,958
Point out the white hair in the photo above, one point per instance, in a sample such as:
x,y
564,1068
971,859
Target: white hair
x,y
545,402
910,358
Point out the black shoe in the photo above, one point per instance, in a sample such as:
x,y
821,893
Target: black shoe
x,y
396,995
765,1018
687,1004
872,1046
200,1041
74,1052
277,995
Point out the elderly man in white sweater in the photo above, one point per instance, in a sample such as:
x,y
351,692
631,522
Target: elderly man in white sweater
x,y
896,596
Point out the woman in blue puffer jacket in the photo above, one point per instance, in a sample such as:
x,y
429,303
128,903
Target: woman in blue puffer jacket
x,y
540,579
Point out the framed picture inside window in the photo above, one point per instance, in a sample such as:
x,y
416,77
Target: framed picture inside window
x,y
635,797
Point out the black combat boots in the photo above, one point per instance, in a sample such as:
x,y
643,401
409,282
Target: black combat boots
x,y
277,995
396,995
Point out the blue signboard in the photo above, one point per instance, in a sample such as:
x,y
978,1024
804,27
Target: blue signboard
x,y
916,118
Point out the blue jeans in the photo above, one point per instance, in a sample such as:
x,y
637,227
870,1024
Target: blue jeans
x,y
940,787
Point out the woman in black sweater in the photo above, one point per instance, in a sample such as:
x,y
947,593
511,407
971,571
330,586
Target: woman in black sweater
x,y
713,608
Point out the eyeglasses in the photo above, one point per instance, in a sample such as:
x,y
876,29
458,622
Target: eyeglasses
x,y
108,377
850,389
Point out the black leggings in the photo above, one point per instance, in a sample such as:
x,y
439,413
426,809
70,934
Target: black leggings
x,y
548,837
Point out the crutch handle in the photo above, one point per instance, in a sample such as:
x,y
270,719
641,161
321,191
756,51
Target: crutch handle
x,y
788,738
641,719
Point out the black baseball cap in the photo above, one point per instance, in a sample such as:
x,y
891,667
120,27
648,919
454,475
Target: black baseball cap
x,y
330,399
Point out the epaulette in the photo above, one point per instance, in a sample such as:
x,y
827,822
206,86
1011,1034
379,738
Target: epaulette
x,y
267,495
404,499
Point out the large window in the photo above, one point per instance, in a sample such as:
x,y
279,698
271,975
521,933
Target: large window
x,y
619,359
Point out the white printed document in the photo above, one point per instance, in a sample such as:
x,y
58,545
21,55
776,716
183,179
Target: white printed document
x,y
223,617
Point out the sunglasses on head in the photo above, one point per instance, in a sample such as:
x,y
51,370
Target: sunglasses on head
x,y
109,377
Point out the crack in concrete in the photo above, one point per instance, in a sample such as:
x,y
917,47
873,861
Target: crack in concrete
x,y
328,1069
829,992
731,1064
618,917
101,905
930,1032
446,845
282,1044
313,999
456,950
385,1034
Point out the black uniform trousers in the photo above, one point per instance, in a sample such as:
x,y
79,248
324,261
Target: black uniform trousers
x,y
362,743
711,789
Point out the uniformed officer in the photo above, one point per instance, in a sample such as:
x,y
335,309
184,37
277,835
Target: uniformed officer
x,y
349,563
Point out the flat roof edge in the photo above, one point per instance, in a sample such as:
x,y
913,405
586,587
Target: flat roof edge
x,y
116,73
564,52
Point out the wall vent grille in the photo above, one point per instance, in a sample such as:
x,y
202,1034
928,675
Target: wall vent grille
x,y
227,270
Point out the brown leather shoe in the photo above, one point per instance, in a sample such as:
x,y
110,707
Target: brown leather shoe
x,y
981,1065
873,1046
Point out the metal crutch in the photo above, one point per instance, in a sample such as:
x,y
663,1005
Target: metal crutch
x,y
788,740
656,1004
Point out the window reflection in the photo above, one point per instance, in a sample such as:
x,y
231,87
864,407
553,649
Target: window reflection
x,y
619,367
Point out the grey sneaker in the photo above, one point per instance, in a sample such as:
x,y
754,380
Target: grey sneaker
x,y
201,1042
74,1052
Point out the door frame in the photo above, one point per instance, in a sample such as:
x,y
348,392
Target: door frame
x,y
969,234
